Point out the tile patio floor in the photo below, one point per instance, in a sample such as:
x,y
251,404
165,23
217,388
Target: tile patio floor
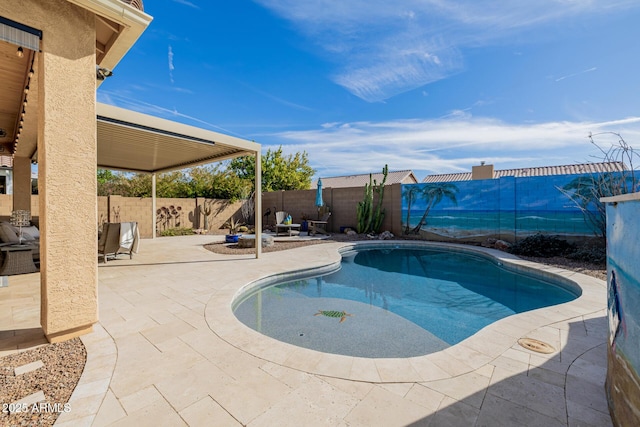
x,y
168,351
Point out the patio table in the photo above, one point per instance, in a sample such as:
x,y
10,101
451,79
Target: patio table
x,y
18,259
290,228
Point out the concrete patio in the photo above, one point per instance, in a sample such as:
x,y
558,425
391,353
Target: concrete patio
x,y
168,351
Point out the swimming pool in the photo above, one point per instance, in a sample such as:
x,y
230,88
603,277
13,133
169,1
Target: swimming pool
x,y
395,302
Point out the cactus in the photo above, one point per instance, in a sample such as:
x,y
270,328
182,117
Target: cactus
x,y
370,219
206,211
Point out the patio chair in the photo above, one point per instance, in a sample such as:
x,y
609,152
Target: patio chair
x,y
118,238
280,217
319,226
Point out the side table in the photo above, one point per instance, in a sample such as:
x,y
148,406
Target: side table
x,y
18,259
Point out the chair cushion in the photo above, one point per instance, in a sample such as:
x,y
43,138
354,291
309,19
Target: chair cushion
x,y
7,234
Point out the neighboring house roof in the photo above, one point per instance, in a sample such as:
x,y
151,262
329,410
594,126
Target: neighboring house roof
x,y
398,177
534,171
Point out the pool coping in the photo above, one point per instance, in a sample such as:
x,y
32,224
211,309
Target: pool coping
x,y
464,357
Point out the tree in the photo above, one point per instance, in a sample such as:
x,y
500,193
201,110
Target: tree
x,y
174,184
585,191
434,193
279,172
216,182
109,182
139,185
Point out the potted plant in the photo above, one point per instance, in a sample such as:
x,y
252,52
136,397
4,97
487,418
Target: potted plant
x,y
304,224
233,235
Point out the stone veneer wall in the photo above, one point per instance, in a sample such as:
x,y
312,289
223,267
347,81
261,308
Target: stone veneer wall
x,y
623,278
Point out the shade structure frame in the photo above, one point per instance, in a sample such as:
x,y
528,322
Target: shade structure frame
x,y
136,142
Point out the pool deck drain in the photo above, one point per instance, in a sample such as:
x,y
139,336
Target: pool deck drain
x,y
536,345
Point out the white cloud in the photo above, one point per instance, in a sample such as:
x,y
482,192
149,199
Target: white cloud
x,y
126,99
187,3
171,67
277,99
576,74
383,48
451,144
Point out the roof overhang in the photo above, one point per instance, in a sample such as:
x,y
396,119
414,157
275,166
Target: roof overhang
x,y
132,141
118,27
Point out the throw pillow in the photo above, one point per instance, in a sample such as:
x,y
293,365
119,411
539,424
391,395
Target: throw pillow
x,y
27,236
33,231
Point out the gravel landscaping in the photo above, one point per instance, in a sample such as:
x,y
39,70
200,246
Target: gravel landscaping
x,y
62,366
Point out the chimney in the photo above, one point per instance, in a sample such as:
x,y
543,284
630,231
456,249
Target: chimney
x,y
482,172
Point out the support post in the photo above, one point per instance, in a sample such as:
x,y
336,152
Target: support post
x,y
153,205
258,204
67,158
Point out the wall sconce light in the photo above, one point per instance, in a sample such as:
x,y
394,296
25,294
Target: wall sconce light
x,y
20,52
102,73
26,89
31,72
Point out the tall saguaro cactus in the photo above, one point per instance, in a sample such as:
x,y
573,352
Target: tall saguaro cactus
x,y
370,218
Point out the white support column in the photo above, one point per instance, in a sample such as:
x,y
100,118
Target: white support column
x,y
153,205
258,204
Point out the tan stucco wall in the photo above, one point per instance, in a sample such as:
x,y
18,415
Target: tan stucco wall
x,y
67,162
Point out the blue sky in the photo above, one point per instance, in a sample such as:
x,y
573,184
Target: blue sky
x,y
435,86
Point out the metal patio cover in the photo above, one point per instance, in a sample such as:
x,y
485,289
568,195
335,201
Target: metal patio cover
x,y
132,141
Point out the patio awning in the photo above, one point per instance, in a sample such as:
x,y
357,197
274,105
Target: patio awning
x,y
132,141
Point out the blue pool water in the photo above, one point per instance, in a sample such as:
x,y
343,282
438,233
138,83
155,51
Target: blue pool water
x,y
396,302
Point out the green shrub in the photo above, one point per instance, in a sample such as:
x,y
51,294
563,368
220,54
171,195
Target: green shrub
x,y
178,231
540,245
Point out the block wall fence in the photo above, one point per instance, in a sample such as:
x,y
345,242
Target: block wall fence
x,y
181,212
171,212
507,208
342,202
